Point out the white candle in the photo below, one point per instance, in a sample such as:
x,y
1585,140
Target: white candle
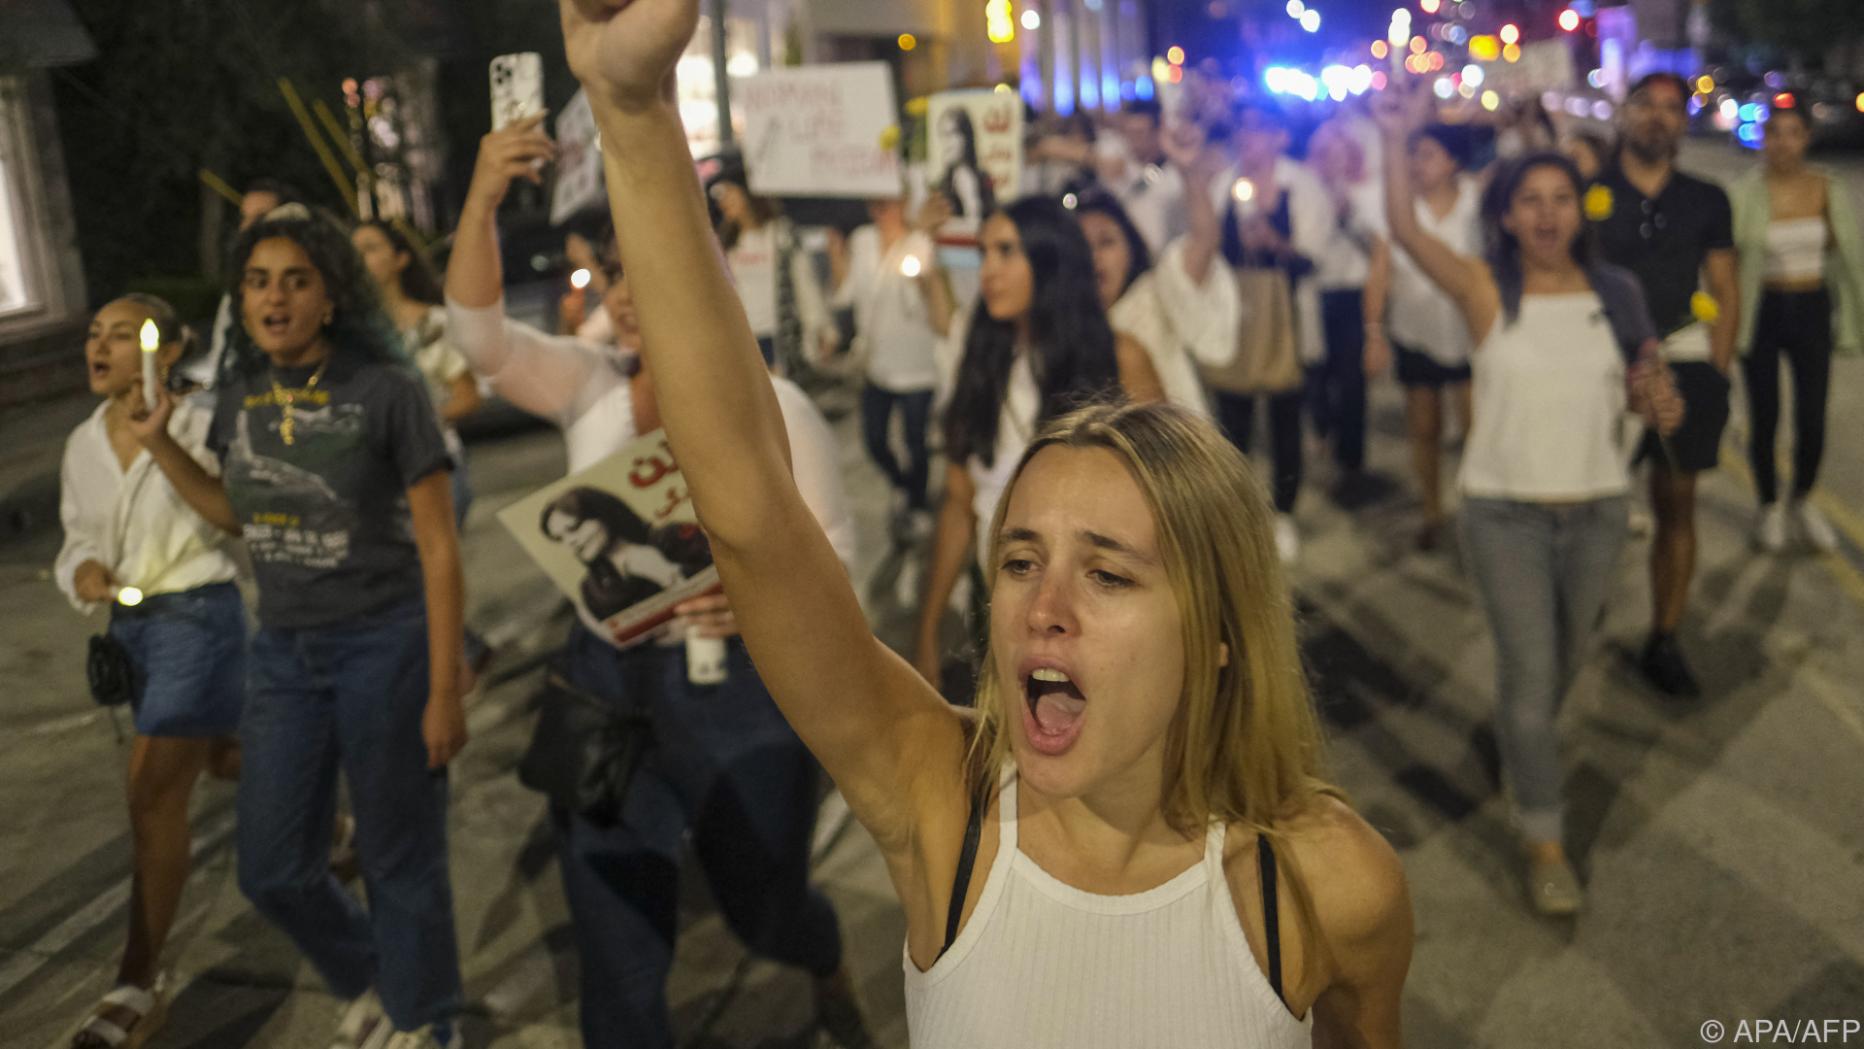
x,y
151,342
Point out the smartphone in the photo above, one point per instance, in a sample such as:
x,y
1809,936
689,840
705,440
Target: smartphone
x,y
517,87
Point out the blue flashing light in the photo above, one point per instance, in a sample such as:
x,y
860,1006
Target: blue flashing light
x,y
1748,135
1748,113
1110,89
1143,89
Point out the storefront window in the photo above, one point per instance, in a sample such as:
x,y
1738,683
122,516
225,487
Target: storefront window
x,y
17,283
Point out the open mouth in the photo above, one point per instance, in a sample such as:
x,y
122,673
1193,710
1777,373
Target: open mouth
x,y
1054,709
276,324
100,369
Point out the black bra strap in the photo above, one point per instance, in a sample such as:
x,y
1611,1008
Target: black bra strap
x,y
961,882
1271,917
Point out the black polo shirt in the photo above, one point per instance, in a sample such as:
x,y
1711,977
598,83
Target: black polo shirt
x,y
1665,240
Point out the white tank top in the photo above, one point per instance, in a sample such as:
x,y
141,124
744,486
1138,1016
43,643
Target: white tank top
x,y
1796,248
1549,392
1042,963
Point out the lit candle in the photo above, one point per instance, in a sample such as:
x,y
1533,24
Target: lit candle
x,y
910,266
579,279
128,596
151,341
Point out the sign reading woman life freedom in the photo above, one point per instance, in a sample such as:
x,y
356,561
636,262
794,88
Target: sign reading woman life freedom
x,y
821,131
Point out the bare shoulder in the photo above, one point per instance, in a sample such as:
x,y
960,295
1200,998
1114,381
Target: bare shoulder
x,y
1354,874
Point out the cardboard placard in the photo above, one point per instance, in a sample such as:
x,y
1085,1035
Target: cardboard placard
x,y
821,131
619,539
578,185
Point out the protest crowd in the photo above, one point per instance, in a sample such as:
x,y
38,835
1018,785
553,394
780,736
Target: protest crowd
x,y
1097,775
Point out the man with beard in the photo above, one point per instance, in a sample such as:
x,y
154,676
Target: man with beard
x,y
1676,233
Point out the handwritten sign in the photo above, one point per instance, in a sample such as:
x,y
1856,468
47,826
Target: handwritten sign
x,y
620,539
1546,65
821,131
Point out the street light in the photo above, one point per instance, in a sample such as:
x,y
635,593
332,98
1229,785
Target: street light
x,y
1569,20
1511,34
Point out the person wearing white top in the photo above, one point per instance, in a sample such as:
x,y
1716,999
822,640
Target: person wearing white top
x,y
707,741
1565,344
134,545
1337,382
1134,166
1181,310
1277,219
776,280
877,272
1412,320
1143,731
1036,344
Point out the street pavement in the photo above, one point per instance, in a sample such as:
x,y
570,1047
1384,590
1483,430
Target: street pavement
x,y
1720,840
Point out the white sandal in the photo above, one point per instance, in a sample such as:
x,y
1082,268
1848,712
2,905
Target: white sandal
x,y
150,1006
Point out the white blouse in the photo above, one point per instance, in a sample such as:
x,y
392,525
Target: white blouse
x,y
132,521
1178,321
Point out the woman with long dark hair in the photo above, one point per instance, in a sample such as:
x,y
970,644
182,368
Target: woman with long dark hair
x,y
1038,345
134,547
1563,344
775,277
1802,297
1132,842
335,474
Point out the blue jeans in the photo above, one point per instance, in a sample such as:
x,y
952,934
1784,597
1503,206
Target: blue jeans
x,y
724,766
188,651
1544,571
351,697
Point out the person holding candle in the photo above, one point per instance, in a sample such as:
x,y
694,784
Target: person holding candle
x,y
132,544
876,272
335,475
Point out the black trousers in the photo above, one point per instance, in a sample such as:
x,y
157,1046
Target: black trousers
x,y
1336,387
877,407
1798,324
1236,414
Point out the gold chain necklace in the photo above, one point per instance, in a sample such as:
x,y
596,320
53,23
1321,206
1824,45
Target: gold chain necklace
x,y
284,398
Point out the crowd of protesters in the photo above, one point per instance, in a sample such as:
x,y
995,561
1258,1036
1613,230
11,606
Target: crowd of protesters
x,y
1120,832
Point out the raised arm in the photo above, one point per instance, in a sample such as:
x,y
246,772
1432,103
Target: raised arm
x,y
1466,281
1197,164
879,730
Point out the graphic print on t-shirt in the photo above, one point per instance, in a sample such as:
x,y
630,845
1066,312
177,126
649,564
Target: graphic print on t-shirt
x,y
305,524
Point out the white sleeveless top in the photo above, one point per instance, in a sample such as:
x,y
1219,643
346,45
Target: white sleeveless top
x,y
1042,963
1549,392
1796,248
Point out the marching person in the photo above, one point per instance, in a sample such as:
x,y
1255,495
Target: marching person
x,y
720,764
177,633
1802,296
1675,232
335,475
1131,844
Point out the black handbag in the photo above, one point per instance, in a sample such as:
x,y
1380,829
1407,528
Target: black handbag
x,y
109,672
584,752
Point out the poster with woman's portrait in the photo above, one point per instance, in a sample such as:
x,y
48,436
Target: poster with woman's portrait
x,y
620,539
974,155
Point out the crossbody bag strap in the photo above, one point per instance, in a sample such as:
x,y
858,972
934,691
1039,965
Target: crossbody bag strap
x,y
967,859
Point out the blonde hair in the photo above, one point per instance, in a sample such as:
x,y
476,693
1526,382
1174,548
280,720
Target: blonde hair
x,y
1245,746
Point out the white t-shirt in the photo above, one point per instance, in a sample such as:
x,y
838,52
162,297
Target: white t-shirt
x,y
1153,196
1419,315
893,329
1346,260
753,262
1549,393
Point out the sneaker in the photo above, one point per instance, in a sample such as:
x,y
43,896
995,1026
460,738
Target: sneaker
x,y
433,1036
1287,539
1553,887
1770,531
1664,667
1813,527
361,1024
838,1013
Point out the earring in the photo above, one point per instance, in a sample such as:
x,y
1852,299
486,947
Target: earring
x,y
329,315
